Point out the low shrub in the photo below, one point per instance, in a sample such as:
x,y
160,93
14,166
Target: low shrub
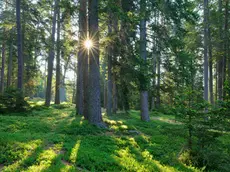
x,y
12,100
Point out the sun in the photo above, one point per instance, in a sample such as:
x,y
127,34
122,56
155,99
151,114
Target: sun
x,y
88,44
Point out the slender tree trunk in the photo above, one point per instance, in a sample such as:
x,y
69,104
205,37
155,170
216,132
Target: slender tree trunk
x,y
10,62
226,45
220,50
19,42
210,62
115,52
51,56
154,83
58,67
109,61
158,98
82,54
143,53
206,50
114,95
95,116
3,66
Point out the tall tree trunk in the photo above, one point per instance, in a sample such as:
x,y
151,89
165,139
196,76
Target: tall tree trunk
x,y
109,68
210,61
86,86
19,42
82,54
226,46
220,50
51,56
114,95
143,53
10,62
158,98
206,50
58,67
154,82
3,66
95,116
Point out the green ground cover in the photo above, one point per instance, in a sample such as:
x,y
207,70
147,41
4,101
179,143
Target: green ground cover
x,y
54,139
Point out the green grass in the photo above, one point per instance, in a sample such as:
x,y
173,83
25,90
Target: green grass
x,y
54,139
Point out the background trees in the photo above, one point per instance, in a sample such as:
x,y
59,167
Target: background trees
x,y
145,46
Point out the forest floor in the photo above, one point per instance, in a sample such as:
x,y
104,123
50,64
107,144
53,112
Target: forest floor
x,y
54,139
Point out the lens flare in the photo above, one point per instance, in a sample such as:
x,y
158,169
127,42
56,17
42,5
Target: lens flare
x,y
88,44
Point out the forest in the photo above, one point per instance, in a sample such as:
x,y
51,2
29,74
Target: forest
x,y
115,85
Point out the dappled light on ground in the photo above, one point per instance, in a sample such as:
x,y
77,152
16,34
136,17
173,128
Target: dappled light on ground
x,y
54,139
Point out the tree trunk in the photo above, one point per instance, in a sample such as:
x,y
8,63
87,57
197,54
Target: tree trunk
x,y
10,62
114,95
19,42
3,66
58,67
220,50
95,116
226,46
51,57
82,54
143,53
206,50
109,61
86,86
158,98
210,62
154,83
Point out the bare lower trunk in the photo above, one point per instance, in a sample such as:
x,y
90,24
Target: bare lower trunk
x,y
86,87
226,46
82,54
143,53
114,96
109,82
3,67
220,49
144,106
51,57
210,63
95,116
158,98
58,67
9,68
206,50
19,42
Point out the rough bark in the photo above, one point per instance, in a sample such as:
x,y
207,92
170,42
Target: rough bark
x,y
143,53
86,86
114,95
58,67
211,96
51,56
206,50
109,68
82,54
19,44
226,45
220,50
95,116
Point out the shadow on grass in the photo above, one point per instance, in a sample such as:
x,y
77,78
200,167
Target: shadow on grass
x,y
70,144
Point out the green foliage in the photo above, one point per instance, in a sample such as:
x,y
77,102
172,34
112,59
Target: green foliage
x,y
204,126
57,140
12,100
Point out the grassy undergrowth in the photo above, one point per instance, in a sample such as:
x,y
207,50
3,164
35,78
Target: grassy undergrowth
x,y
54,139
